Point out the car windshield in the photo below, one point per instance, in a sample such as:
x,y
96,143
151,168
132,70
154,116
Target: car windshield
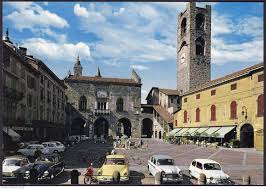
x,y
115,162
165,162
212,166
12,162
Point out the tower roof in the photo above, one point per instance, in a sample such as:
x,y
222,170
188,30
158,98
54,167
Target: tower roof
x,y
78,61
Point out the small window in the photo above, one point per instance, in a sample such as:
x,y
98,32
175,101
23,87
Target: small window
x,y
260,77
185,99
172,100
198,96
233,86
199,165
213,92
193,163
175,122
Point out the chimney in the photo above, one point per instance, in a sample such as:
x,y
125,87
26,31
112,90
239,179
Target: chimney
x,y
22,51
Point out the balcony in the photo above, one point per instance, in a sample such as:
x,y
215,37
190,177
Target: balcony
x,y
102,112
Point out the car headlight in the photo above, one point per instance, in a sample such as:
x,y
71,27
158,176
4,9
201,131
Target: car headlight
x,y
46,173
163,173
125,174
211,178
27,172
99,173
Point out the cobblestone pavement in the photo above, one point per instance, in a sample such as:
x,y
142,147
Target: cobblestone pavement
x,y
235,162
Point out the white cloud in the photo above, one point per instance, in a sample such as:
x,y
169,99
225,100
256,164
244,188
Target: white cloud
x,y
30,16
252,26
80,11
52,51
45,3
139,67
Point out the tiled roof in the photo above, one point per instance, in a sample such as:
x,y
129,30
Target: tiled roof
x,y
225,78
169,91
117,81
164,114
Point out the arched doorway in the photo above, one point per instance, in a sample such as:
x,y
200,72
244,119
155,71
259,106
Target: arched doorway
x,y
160,134
77,126
247,136
100,127
146,130
124,127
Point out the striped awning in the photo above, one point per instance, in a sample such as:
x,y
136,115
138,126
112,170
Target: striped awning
x,y
199,131
223,131
209,131
181,132
174,131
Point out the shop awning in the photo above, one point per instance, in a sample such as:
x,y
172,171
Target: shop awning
x,y
10,132
209,131
174,131
223,131
199,131
192,130
182,132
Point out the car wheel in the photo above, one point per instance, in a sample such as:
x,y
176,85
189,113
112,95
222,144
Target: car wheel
x,y
55,151
87,180
116,177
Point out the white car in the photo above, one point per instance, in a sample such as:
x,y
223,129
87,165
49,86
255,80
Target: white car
x,y
166,166
211,169
58,143
32,148
53,147
11,164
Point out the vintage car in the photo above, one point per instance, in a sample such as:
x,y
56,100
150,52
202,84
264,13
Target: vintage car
x,y
12,164
53,147
32,148
166,166
211,169
114,169
48,166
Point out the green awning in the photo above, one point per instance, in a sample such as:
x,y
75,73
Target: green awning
x,y
209,131
182,132
223,131
199,131
192,130
174,131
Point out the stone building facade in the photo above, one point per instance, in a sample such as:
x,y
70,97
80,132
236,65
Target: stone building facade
x,y
103,106
163,102
194,47
25,97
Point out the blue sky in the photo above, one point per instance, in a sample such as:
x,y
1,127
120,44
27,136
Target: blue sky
x,y
119,36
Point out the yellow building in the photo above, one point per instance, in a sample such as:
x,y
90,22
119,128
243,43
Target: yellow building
x,y
231,104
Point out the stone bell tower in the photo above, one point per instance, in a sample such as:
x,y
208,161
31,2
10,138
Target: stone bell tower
x,y
78,68
193,47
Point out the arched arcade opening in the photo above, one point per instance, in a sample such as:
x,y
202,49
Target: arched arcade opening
x,y
147,128
101,127
247,136
124,127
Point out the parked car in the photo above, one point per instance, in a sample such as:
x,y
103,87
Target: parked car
x,y
48,166
53,148
10,165
114,166
74,138
58,143
211,169
166,166
32,148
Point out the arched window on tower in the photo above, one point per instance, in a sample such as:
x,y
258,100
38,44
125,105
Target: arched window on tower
x,y
200,21
260,105
185,116
119,104
213,113
82,103
200,46
233,110
197,115
183,26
